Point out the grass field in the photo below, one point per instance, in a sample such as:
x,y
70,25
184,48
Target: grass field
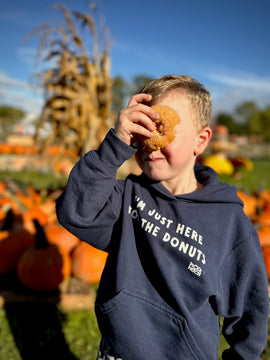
x,y
43,331
252,181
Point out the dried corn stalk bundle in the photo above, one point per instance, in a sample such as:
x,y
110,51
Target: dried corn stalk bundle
x,y
78,88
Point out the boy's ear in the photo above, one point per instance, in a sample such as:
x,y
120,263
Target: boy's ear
x,y
203,139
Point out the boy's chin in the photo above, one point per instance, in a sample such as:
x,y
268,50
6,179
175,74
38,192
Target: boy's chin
x,y
154,177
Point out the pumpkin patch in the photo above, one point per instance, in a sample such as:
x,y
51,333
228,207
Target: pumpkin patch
x,y
40,250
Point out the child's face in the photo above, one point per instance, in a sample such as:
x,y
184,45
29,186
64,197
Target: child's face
x,y
175,162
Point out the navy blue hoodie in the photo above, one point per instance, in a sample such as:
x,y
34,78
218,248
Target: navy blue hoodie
x,y
174,262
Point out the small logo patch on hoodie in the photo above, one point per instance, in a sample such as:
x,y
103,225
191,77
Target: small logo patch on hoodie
x,y
197,270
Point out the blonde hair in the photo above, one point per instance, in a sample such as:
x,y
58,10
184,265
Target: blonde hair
x,y
200,98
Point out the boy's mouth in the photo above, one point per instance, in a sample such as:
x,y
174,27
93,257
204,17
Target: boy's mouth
x,y
154,159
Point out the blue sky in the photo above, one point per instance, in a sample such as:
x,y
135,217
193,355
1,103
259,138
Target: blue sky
x,y
225,44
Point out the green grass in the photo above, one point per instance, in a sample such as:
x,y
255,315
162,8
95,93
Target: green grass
x,y
42,331
38,180
251,181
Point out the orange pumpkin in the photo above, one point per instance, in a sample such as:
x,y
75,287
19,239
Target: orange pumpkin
x,y
34,195
29,215
250,203
264,235
88,262
43,266
264,196
8,203
24,199
5,148
266,256
48,207
2,215
3,187
13,242
264,218
58,235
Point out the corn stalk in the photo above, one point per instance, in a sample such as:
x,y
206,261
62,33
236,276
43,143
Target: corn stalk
x,y
78,88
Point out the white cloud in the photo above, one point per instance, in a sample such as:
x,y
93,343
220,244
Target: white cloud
x,y
19,94
230,89
27,55
246,81
11,82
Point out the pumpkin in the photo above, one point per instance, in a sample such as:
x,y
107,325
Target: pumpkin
x,y
58,235
24,199
219,163
13,242
43,266
3,187
5,148
9,203
264,235
264,197
27,217
48,207
264,218
250,203
266,256
2,214
34,195
88,262
28,197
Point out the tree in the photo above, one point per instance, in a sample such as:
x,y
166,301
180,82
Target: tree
x,y
9,117
139,81
247,119
78,87
120,87
227,120
258,123
124,90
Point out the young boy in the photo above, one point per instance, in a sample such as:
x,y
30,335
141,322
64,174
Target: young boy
x,y
181,251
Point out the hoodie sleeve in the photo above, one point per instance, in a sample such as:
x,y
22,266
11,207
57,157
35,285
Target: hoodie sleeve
x,y
245,301
92,199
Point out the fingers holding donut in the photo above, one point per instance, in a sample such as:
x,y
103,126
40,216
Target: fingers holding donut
x,y
136,120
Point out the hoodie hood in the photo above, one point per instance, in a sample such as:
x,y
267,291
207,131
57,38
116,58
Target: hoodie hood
x,y
213,191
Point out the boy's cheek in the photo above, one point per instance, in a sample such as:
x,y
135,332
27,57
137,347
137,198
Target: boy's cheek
x,y
140,157
168,149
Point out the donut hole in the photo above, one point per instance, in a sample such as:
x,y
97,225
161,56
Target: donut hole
x,y
160,128
164,132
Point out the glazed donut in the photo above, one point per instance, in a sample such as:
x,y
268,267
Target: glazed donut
x,y
165,124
